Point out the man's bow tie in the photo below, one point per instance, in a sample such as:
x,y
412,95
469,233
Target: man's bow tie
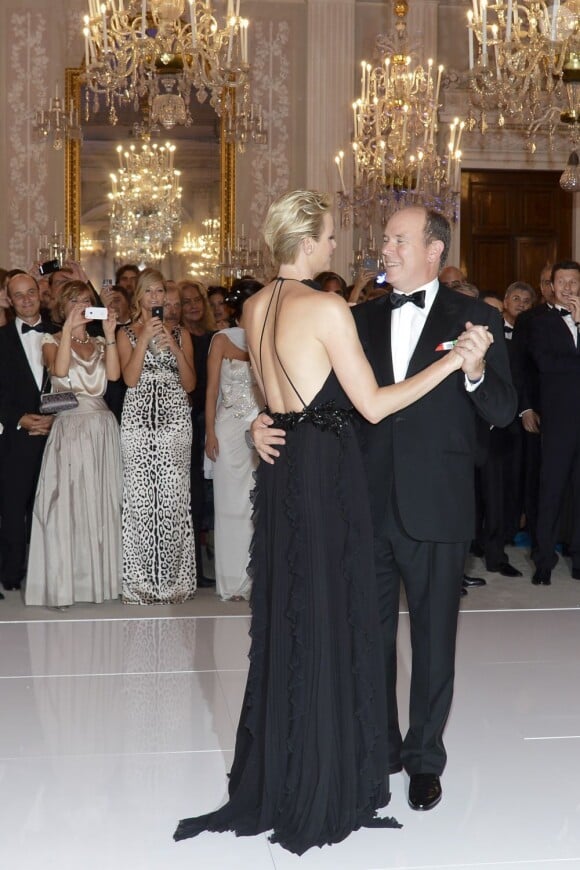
x,y
40,327
417,298
563,312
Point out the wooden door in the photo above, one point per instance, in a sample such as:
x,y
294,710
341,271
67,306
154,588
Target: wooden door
x,y
512,224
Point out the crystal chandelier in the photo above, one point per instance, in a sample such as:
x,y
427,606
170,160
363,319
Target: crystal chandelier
x,y
149,52
524,67
54,124
145,203
396,160
203,250
244,257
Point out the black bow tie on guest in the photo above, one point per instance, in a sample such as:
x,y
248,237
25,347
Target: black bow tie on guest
x,y
417,298
40,327
563,312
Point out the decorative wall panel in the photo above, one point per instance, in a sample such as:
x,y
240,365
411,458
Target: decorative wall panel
x,y
27,159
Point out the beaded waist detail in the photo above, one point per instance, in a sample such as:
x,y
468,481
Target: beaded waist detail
x,y
326,417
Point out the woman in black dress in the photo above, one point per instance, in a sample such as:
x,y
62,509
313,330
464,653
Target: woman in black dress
x,y
311,749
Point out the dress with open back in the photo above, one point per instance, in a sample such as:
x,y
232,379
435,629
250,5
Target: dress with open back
x,y
311,751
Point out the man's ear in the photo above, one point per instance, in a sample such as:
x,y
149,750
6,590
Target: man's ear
x,y
435,250
307,246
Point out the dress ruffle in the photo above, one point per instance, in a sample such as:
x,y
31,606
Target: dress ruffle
x,y
311,753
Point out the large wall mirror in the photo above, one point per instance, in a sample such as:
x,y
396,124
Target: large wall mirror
x,y
207,166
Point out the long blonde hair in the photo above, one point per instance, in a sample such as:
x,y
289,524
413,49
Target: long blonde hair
x,y
145,280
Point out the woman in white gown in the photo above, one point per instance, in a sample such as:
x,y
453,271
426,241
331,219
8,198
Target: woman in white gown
x,y
75,546
231,405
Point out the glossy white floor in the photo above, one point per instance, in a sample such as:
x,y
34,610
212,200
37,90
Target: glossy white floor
x,y
116,722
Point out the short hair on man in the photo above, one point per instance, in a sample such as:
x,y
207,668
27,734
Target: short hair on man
x,y
14,273
66,269
437,229
465,287
563,264
523,287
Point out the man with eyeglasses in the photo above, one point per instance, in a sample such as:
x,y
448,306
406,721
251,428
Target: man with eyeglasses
x,y
555,349
22,375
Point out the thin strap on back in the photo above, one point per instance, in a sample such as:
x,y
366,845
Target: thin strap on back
x,y
278,289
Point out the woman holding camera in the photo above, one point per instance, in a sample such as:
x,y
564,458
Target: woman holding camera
x,y
157,366
75,547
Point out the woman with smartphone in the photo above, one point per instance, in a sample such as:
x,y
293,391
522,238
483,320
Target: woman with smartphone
x,y
75,547
157,367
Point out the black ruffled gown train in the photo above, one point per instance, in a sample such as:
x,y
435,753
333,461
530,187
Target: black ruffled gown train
x,y
311,753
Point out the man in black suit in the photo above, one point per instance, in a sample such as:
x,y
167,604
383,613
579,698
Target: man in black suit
x,y
420,465
555,349
526,382
22,375
501,474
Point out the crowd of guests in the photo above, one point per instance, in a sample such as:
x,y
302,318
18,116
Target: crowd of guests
x,y
106,497
111,497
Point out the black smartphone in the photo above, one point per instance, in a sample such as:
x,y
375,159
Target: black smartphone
x,y
48,267
157,311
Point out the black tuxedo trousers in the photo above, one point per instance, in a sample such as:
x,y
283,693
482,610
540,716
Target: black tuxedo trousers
x,y
420,466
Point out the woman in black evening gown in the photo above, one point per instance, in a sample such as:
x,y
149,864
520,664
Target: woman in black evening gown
x,y
311,754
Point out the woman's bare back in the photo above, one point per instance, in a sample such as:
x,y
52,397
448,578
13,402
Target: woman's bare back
x,y
284,324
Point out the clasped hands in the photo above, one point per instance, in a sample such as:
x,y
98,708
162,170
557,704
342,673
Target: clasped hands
x,y
472,346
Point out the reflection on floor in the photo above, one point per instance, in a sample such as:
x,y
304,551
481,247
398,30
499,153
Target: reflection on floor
x,y
117,721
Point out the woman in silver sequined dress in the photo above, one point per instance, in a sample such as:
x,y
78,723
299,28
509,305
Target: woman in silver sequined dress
x,y
231,405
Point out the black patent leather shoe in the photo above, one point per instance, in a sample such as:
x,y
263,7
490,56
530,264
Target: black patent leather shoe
x,y
468,582
424,791
542,578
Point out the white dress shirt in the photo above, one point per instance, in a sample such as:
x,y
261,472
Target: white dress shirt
x,y
407,324
32,344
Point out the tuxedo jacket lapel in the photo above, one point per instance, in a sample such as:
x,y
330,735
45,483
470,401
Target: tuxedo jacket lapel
x,y
21,364
564,331
441,325
380,343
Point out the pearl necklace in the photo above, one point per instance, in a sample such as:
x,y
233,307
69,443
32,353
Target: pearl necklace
x,y
84,340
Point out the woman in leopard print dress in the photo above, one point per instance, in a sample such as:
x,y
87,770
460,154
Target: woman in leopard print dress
x,y
157,365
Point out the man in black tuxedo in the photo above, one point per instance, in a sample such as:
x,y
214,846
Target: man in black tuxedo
x,y
555,349
22,375
501,474
526,381
420,465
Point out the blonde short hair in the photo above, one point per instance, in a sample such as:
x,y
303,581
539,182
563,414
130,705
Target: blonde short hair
x,y
68,292
291,218
146,278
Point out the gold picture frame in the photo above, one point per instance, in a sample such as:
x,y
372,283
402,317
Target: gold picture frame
x,y
72,174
